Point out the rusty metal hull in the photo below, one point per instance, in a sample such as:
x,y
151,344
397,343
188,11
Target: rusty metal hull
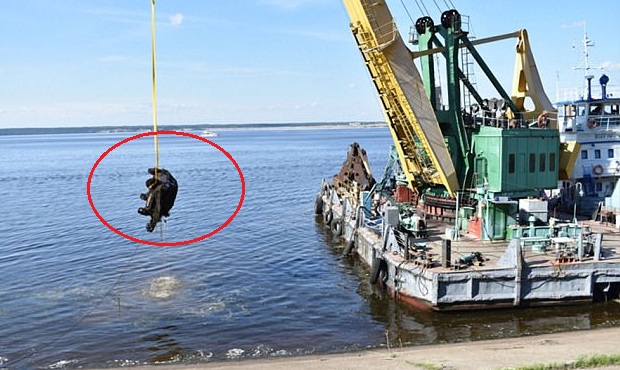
x,y
536,281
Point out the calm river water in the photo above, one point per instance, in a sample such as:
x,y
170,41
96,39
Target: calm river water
x,y
75,294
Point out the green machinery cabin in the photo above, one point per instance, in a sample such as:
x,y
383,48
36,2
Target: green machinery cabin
x,y
500,156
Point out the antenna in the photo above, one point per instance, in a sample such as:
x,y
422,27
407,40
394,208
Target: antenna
x,y
586,42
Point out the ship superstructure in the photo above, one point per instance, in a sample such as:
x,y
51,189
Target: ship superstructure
x,y
481,166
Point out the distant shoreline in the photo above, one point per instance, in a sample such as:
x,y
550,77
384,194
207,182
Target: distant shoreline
x,y
179,127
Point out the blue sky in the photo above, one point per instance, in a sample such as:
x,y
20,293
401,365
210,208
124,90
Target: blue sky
x,y
87,62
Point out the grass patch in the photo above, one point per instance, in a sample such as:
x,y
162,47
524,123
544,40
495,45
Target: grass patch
x,y
424,365
582,362
597,360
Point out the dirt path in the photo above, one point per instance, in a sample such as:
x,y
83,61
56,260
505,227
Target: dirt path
x,y
492,354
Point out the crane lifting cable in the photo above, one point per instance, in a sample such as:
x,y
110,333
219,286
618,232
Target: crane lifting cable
x,y
162,186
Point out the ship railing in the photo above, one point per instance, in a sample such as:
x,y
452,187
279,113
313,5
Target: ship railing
x,y
581,93
502,122
387,34
599,123
605,122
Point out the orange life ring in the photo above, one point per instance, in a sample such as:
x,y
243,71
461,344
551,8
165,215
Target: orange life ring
x,y
598,170
542,120
592,123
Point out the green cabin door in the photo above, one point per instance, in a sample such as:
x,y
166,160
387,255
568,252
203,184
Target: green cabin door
x,y
481,171
498,222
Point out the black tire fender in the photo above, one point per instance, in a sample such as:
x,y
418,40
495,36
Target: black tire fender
x,y
328,216
349,248
378,265
318,205
336,227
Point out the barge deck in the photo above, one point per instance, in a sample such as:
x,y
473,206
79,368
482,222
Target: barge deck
x,y
444,272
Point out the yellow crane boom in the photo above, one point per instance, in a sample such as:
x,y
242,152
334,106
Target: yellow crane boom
x,y
526,83
415,131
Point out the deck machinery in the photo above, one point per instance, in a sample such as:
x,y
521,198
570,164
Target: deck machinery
x,y
457,149
481,163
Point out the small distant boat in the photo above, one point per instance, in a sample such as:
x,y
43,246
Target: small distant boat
x,y
207,133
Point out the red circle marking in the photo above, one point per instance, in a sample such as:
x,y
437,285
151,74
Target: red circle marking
x,y
166,244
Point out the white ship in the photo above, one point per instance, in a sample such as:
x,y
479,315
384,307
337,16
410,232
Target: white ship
x,y
590,118
207,133
594,123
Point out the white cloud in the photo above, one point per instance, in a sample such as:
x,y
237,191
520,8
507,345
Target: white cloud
x,y
577,24
312,104
292,4
610,65
115,15
176,20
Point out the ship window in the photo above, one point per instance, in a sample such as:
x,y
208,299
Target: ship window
x,y
607,109
532,162
599,186
597,153
595,109
610,153
542,162
511,163
582,110
584,154
552,162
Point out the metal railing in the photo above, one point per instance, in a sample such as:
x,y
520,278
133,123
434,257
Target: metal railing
x,y
581,93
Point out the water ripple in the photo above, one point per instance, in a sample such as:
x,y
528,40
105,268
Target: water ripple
x,y
75,294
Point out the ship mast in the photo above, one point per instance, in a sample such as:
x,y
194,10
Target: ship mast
x,y
585,66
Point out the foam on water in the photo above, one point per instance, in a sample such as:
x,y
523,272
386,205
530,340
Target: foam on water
x,y
62,364
234,353
206,309
81,293
163,287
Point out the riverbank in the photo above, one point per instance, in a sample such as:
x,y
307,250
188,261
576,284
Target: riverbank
x,y
508,353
